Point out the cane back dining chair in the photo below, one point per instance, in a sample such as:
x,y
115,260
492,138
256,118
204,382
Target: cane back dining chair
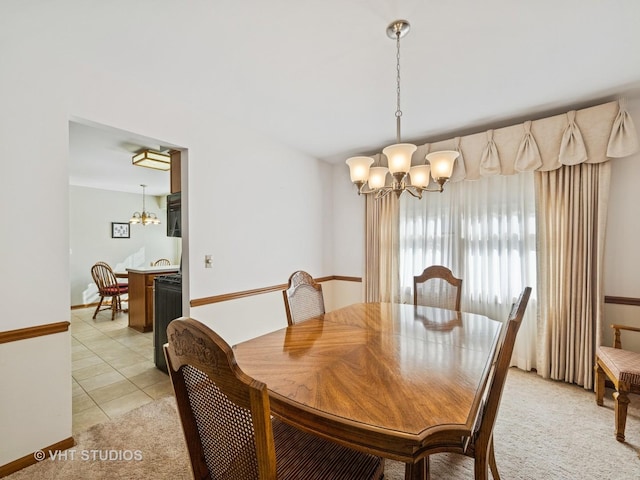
x,y
225,416
162,262
623,369
108,287
437,287
303,297
479,445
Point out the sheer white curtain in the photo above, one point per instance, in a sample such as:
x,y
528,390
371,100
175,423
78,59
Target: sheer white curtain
x,y
485,232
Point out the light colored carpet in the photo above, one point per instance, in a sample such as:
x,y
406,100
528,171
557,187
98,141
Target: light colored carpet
x,y
545,430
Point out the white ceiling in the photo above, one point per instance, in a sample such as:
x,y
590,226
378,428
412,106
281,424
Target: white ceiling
x,y
101,157
320,76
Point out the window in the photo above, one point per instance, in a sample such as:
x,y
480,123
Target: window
x,y
485,232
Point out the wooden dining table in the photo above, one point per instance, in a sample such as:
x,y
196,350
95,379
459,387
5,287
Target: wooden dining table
x,y
390,379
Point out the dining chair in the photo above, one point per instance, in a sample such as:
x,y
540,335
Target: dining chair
x,y
303,297
437,287
227,423
108,287
163,262
479,445
622,367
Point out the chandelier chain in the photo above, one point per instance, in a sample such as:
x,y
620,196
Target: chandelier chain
x,y
398,110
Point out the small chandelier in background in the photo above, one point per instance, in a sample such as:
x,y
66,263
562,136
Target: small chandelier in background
x,y
414,180
145,218
151,159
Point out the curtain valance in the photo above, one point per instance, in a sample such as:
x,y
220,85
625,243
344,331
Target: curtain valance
x,y
591,135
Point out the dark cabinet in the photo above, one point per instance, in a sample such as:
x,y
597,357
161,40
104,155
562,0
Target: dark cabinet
x,y
168,306
174,215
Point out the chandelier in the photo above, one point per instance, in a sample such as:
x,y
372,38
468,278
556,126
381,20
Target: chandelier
x,y
145,218
404,177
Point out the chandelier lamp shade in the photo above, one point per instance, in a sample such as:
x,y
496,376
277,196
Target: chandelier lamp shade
x,y
372,179
151,159
145,218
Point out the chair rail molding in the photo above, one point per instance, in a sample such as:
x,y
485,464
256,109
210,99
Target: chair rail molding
x,y
32,332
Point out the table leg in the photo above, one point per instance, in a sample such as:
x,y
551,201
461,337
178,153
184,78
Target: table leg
x,y
418,470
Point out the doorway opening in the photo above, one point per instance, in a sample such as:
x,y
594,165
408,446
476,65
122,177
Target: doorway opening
x,y
113,365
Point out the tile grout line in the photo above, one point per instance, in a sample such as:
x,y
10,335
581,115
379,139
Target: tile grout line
x,y
83,320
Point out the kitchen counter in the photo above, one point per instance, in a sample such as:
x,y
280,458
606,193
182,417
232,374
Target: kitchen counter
x,y
155,270
141,288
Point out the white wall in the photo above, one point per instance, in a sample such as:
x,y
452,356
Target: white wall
x,y
348,225
622,255
91,212
259,227
34,246
36,394
340,293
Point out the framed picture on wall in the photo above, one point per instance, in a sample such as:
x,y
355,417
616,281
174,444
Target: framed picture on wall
x,y
119,230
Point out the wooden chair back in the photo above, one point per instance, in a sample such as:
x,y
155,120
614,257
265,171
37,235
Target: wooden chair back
x,y
483,433
225,414
226,418
163,262
303,298
108,286
436,286
104,279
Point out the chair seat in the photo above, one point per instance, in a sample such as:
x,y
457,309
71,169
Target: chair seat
x,y
337,462
117,289
624,364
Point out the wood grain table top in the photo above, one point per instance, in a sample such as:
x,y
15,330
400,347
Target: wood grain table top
x,y
390,379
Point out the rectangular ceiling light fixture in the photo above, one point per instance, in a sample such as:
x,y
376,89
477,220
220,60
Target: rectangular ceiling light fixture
x,y
151,159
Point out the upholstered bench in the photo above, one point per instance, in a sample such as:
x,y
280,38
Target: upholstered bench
x,y
622,367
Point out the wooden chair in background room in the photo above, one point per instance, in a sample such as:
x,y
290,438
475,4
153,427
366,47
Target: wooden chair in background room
x,y
227,423
479,445
163,262
437,287
623,369
303,297
108,287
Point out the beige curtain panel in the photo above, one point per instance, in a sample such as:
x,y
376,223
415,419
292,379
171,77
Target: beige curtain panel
x,y
381,281
570,263
591,135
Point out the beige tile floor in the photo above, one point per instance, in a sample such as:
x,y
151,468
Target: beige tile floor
x,y
112,368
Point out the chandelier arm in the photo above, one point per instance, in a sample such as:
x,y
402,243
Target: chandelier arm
x,y
415,192
439,189
362,190
383,192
